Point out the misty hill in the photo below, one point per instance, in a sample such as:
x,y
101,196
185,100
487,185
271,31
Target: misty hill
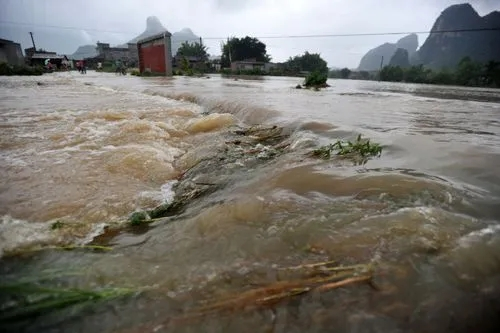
x,y
185,35
371,60
153,27
85,51
447,49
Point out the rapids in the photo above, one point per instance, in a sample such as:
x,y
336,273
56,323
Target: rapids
x,y
88,150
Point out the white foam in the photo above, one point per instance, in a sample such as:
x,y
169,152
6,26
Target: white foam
x,y
167,191
15,233
478,235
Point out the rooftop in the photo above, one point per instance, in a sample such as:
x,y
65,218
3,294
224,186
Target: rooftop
x,y
47,56
154,37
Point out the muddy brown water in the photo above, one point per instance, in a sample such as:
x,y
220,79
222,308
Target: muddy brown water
x,y
87,150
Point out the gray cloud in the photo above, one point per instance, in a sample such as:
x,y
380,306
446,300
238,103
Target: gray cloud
x,y
214,20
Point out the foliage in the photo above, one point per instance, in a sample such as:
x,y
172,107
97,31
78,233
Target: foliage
x,y
57,225
308,62
193,50
316,79
238,49
359,151
466,73
8,70
344,73
33,297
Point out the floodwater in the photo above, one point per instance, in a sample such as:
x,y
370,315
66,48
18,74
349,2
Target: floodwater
x,y
87,150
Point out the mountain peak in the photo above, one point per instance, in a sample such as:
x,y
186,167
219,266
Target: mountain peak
x,y
448,48
187,31
154,25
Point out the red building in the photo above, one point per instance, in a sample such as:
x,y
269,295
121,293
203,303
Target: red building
x,y
155,54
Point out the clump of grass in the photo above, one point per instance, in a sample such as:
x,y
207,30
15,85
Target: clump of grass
x,y
138,218
25,299
360,150
57,225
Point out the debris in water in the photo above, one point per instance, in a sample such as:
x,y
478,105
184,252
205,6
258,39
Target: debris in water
x,y
359,151
317,277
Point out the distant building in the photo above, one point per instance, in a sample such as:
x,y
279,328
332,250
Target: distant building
x,y
155,54
248,64
11,52
126,54
194,62
41,58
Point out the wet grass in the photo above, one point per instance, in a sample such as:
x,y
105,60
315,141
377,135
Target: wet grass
x,y
359,151
25,298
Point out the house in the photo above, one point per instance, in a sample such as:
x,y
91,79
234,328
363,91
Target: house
x,y
41,58
155,54
193,61
126,54
11,52
248,64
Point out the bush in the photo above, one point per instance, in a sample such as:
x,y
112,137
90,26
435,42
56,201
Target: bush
x,y
6,69
316,80
135,72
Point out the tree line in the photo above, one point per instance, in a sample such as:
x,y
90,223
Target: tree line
x,y
468,72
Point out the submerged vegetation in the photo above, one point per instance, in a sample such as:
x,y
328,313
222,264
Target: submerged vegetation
x,y
293,281
359,151
27,298
316,79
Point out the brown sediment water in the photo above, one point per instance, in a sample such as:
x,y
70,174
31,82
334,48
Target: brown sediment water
x,y
88,150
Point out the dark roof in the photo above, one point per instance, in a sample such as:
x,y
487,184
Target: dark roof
x,y
154,37
6,41
46,56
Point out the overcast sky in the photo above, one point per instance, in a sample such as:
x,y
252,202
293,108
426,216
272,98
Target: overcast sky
x,y
119,21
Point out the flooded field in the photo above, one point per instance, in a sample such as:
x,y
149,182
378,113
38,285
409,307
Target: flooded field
x,y
252,233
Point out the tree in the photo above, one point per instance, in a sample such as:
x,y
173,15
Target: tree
x,y
309,62
193,50
392,73
492,73
468,72
345,72
400,58
238,49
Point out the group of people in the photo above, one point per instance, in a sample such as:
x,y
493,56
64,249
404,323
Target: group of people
x,y
80,65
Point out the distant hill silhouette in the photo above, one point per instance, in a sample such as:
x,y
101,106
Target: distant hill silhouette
x,y
371,60
85,51
153,27
447,49
185,35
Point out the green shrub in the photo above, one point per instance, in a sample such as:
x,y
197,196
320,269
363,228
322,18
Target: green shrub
x,y
316,79
6,69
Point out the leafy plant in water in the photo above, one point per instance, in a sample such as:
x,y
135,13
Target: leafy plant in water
x,y
57,225
29,297
360,150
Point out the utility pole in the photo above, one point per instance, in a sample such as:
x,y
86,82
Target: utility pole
x,y
201,43
380,71
33,41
